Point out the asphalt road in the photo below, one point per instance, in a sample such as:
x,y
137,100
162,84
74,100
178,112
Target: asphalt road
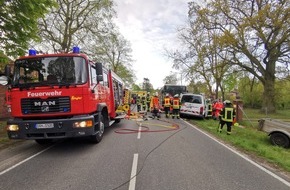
x,y
142,155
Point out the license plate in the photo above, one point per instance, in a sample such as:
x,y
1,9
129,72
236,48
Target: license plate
x,y
44,126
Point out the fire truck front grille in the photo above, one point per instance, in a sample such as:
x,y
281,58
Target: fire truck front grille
x,y
49,105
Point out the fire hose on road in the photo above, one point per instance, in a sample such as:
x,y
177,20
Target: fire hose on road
x,y
145,125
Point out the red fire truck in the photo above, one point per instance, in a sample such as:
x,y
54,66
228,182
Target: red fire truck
x,y
61,95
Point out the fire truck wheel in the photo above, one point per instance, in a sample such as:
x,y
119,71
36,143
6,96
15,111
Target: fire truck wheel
x,y
100,131
43,141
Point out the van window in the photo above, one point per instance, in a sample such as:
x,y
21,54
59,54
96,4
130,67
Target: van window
x,y
191,99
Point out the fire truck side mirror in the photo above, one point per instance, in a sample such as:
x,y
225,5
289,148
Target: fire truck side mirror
x,y
99,69
99,72
7,70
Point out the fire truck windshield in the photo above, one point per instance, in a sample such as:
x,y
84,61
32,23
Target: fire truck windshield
x,y
42,71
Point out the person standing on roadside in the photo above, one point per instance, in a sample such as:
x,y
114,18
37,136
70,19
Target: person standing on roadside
x,y
166,105
155,106
148,100
176,106
227,116
217,107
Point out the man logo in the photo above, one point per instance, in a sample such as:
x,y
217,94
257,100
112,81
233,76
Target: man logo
x,y
44,103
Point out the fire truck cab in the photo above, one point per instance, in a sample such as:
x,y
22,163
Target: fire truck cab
x,y
61,95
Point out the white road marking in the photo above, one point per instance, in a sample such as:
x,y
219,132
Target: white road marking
x,y
25,160
139,132
133,173
244,157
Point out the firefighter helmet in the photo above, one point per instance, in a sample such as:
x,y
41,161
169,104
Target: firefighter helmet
x,y
227,102
176,96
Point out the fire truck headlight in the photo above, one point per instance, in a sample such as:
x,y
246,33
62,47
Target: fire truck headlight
x,y
82,124
12,127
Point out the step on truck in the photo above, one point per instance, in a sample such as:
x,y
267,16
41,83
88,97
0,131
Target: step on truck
x,y
61,95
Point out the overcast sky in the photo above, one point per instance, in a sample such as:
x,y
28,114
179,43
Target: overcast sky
x,y
151,26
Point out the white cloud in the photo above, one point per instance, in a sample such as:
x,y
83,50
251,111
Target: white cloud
x,y
150,26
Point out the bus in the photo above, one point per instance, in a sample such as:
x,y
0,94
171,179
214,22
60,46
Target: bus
x,y
172,89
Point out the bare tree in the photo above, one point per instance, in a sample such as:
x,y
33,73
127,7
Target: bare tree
x,y
147,86
88,24
200,62
73,21
171,79
115,52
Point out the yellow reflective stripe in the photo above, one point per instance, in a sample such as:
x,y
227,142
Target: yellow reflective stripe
x,y
175,104
167,102
228,114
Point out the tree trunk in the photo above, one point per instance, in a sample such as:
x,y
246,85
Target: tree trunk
x,y
217,90
269,92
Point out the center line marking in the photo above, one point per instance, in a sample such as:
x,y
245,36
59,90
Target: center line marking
x,y
139,132
132,184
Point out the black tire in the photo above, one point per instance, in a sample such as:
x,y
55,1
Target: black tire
x,y
117,120
43,141
96,138
279,139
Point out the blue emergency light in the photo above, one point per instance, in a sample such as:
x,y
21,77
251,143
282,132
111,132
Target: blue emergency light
x,y
76,49
32,52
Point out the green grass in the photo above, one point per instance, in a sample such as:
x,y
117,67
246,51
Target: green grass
x,y
249,139
254,114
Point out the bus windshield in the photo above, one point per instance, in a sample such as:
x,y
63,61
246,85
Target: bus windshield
x,y
173,89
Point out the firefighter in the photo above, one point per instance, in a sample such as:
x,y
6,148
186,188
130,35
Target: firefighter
x,y
139,104
148,99
166,105
227,116
176,106
134,99
209,108
143,103
155,106
217,107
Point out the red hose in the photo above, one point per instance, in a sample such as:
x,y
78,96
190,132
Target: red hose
x,y
147,129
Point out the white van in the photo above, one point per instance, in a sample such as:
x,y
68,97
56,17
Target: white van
x,y
192,105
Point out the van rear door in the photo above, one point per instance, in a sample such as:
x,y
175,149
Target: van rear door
x,y
192,105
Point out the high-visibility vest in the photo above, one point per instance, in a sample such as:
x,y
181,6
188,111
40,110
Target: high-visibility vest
x,y
209,111
228,114
166,102
175,103
148,98
154,102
